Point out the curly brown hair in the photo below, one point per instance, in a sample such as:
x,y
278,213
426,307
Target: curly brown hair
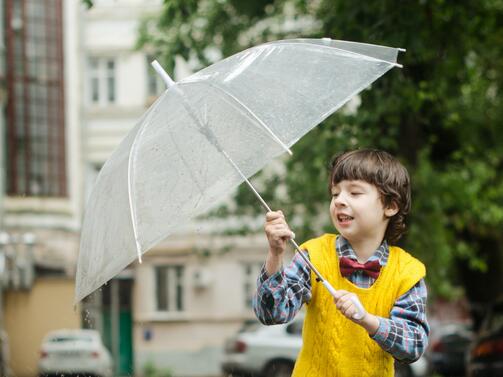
x,y
382,170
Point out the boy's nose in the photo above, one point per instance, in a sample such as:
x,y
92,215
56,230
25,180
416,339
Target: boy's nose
x,y
340,201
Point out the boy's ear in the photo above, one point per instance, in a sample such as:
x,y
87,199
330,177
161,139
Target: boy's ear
x,y
391,210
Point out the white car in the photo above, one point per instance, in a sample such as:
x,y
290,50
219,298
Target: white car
x,y
268,351
271,351
72,352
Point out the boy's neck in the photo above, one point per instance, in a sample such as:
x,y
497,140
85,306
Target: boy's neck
x,y
364,248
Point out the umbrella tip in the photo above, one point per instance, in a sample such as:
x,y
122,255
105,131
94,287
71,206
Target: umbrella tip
x,y
161,72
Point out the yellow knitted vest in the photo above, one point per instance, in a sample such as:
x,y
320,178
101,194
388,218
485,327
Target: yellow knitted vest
x,y
334,346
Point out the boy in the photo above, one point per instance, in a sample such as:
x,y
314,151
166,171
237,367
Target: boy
x,y
370,200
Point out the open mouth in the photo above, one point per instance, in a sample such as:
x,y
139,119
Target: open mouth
x,y
344,218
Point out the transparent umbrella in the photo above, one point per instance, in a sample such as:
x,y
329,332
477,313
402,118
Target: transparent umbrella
x,y
209,133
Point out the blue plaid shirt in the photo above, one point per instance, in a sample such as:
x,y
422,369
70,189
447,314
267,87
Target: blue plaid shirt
x,y
404,335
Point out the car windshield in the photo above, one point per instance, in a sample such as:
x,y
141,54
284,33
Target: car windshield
x,y
70,338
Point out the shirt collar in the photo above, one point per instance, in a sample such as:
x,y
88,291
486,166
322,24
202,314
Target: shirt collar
x,y
344,249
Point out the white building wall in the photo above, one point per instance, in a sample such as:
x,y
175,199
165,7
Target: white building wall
x,y
190,342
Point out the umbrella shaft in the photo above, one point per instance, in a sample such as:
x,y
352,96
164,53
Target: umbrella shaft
x,y
307,260
292,241
267,208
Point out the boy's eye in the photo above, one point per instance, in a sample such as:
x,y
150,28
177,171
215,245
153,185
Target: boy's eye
x,y
334,194
356,193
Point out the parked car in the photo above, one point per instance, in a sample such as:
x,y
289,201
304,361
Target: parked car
x,y
449,345
74,352
418,368
268,351
271,351
486,352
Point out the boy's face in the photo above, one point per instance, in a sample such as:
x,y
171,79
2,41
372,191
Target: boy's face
x,y
357,211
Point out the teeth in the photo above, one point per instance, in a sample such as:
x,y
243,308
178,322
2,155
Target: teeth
x,y
345,218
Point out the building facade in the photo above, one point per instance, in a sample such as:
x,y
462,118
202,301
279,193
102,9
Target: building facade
x,y
73,85
41,195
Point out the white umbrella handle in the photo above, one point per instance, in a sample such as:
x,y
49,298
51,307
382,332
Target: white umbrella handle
x,y
360,310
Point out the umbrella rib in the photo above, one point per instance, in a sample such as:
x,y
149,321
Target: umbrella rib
x,y
249,112
130,196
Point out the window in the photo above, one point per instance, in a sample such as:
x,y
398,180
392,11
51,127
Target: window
x,y
169,288
35,129
251,272
102,82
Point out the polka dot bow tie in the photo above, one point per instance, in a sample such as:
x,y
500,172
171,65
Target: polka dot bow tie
x,y
348,266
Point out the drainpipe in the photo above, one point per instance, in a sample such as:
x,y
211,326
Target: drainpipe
x,y
3,339
3,95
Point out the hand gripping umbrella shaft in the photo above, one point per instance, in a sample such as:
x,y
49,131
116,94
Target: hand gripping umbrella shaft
x,y
170,83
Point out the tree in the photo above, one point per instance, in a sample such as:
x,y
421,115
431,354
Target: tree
x,y
441,114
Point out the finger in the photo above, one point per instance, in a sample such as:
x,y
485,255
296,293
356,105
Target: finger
x,y
274,215
272,227
341,303
346,298
346,306
277,221
280,228
338,294
347,294
282,233
349,312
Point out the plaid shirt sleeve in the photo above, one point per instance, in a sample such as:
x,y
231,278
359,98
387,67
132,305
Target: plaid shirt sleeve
x,y
280,296
405,334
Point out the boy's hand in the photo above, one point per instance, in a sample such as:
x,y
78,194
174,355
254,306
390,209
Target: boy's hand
x,y
277,232
345,302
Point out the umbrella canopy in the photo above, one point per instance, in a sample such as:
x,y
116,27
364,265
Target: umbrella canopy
x,y
207,134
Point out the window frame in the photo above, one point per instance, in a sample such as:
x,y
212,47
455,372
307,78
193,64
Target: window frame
x,y
170,288
101,80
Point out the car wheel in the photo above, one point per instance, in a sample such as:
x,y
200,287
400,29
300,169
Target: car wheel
x,y
402,370
279,369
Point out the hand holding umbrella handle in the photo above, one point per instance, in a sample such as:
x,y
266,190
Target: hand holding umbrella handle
x,y
359,307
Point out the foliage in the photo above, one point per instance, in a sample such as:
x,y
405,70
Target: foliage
x,y
150,370
441,114
88,3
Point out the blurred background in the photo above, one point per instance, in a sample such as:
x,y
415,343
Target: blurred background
x,y
75,76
